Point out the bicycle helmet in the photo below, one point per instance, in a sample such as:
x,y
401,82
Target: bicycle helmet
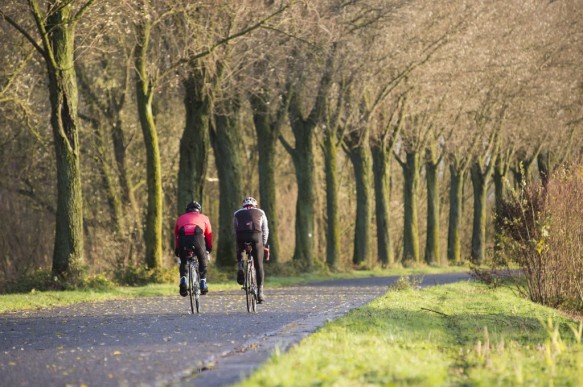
x,y
249,201
193,206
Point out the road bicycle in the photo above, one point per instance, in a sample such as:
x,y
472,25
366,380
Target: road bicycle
x,y
250,284
193,282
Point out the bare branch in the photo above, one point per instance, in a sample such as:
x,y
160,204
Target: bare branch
x,y
24,33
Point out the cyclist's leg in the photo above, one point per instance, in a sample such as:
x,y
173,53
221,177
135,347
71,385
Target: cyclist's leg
x,y
200,252
258,263
240,256
183,271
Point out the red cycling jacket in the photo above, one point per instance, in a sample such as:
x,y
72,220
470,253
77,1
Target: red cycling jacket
x,y
189,221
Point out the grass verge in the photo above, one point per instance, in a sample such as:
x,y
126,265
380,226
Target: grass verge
x,y
460,334
38,299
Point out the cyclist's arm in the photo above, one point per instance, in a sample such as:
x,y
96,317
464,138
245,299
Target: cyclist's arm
x,y
208,235
264,228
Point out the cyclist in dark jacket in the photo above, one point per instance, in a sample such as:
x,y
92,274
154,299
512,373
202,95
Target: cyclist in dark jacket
x,y
193,231
250,225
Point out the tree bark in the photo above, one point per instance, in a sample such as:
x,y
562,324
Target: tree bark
x,y
500,173
267,129
432,248
194,143
479,183
144,97
225,139
303,159
330,149
455,212
59,55
410,226
381,157
361,161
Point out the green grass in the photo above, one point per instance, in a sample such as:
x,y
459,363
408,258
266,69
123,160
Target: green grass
x,y
460,334
37,299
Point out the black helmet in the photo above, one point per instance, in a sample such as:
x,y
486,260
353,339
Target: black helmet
x,y
193,206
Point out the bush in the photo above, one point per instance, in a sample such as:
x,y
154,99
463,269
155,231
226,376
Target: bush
x,y
133,275
541,230
44,280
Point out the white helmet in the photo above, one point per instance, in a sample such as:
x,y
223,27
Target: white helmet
x,y
249,201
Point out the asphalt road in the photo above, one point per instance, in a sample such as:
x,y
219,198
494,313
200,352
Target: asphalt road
x,y
156,342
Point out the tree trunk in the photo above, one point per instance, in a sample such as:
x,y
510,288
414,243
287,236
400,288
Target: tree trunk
x,y
267,129
114,200
500,172
100,122
455,213
411,228
332,226
225,139
303,159
68,250
544,168
144,96
194,144
381,172
479,183
432,250
134,245
361,160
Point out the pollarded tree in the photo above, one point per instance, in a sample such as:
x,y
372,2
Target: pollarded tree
x,y
387,130
481,171
357,146
264,87
304,117
433,159
414,137
195,139
268,116
56,30
225,134
151,68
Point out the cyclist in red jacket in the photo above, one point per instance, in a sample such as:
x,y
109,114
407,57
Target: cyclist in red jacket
x,y
250,225
193,231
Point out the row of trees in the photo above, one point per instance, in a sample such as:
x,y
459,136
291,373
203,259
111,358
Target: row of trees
x,y
448,91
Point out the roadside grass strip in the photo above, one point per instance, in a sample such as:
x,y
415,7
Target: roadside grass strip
x,y
43,299
459,334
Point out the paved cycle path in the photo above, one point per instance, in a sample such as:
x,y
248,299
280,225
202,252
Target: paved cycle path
x,y
156,342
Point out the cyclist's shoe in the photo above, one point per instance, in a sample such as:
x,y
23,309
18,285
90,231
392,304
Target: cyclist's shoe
x,y
260,295
240,277
183,287
204,289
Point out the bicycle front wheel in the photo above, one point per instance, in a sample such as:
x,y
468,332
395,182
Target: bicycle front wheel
x,y
250,289
196,291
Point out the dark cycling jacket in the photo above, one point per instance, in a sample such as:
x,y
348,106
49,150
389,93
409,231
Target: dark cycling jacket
x,y
189,221
252,220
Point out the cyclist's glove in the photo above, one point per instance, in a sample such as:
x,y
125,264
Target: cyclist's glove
x,y
177,251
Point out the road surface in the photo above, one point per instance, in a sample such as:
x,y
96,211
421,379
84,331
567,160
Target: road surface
x,y
156,342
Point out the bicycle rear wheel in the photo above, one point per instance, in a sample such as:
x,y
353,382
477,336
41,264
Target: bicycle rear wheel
x,y
192,289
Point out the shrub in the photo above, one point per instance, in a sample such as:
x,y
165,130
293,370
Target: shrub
x,y
541,230
133,275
